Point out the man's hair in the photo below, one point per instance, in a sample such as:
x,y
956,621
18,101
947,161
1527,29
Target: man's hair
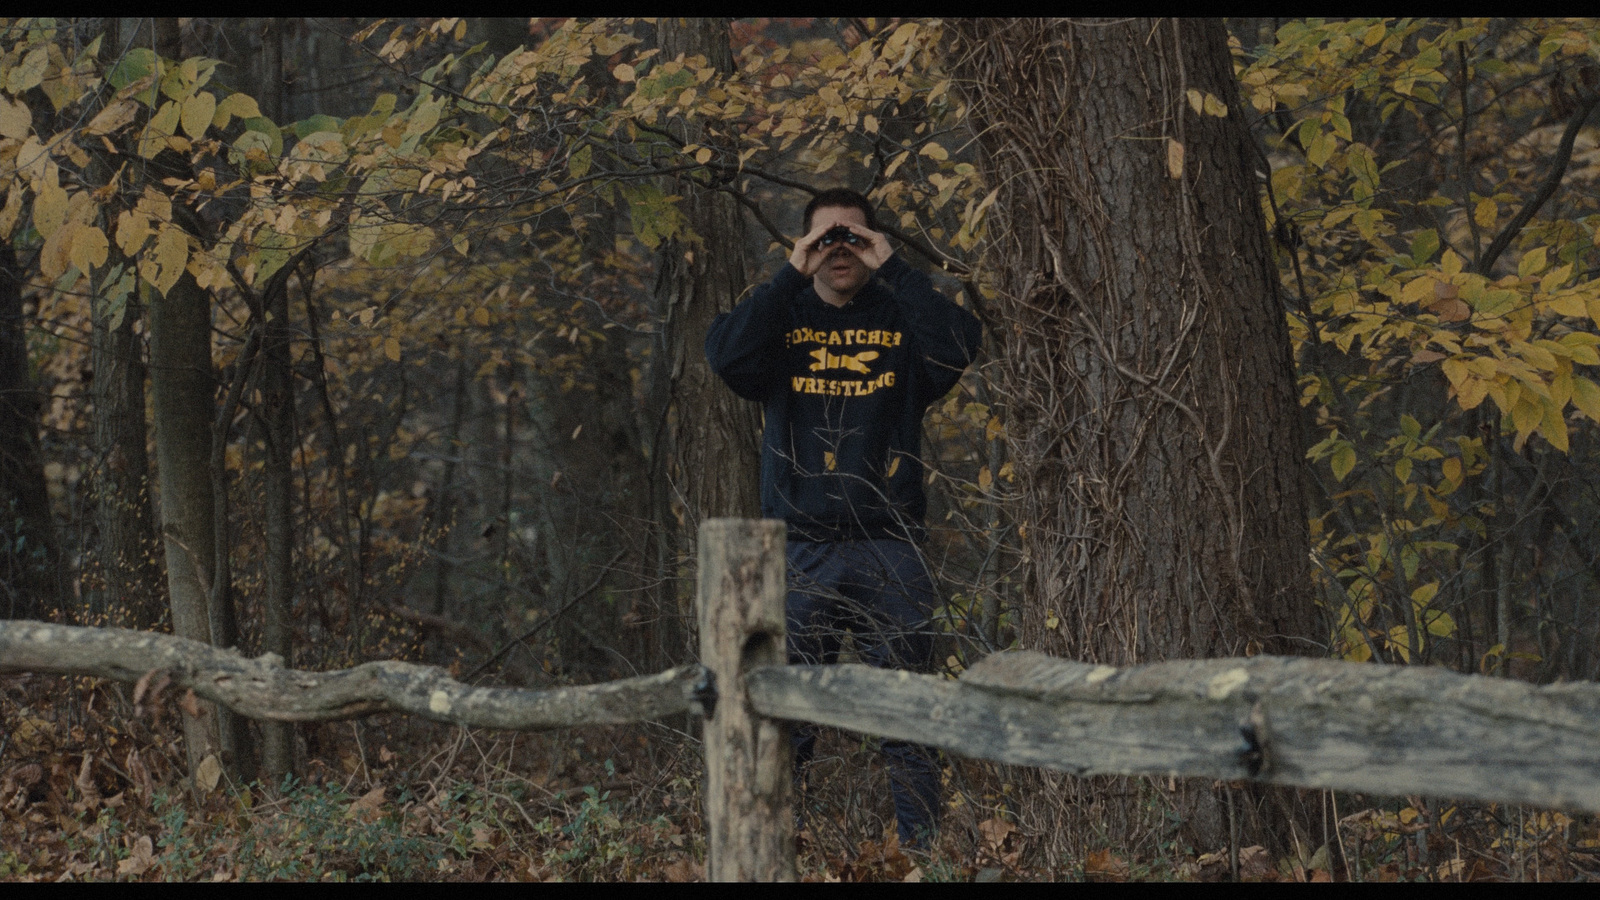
x,y
840,197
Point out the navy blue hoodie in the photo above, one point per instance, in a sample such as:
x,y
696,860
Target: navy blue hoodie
x,y
844,390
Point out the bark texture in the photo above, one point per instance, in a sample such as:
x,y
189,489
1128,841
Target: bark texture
x,y
30,558
715,443
124,513
1151,408
277,396
706,457
181,388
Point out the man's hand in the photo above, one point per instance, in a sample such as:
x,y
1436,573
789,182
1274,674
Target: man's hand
x,y
807,257
873,249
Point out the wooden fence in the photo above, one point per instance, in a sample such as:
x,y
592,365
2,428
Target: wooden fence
x,y
1302,722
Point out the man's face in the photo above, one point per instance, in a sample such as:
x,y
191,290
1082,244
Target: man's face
x,y
842,272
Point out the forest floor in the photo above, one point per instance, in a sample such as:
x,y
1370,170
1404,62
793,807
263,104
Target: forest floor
x,y
92,790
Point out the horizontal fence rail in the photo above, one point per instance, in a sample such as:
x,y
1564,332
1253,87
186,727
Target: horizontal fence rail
x,y
1310,723
1390,730
262,688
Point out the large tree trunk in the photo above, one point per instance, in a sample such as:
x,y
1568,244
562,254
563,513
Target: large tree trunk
x,y
1147,367
711,461
30,558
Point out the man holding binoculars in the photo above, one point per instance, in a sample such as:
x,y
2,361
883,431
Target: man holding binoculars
x,y
845,348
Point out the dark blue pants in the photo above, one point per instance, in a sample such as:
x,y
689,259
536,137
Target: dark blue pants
x,y
881,592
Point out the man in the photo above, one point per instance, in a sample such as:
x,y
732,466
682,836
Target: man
x,y
846,347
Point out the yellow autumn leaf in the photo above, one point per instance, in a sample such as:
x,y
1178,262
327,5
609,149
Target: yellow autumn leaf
x,y
89,248
1554,426
1418,289
1567,305
1455,370
1051,620
1400,640
1439,624
1451,468
171,254
242,106
197,114
113,117
1485,213
1534,355
481,316
162,126
1533,262
15,119
1526,415
985,478
1174,158
55,255
1197,100
623,72
935,151
1450,264
703,155
1586,397
391,348
133,229
33,160
49,209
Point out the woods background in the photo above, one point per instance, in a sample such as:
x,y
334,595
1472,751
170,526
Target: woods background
x,y
349,340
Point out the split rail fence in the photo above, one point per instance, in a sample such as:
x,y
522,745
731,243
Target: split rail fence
x,y
1309,723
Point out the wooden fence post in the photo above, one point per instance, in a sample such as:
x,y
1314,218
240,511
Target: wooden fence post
x,y
749,761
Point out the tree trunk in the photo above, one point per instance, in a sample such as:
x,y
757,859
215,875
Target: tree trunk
x,y
1146,360
124,517
127,589
711,460
277,398
181,388
30,558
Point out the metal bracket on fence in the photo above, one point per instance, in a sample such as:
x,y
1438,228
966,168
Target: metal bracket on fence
x,y
703,696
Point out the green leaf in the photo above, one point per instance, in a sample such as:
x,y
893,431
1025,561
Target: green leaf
x,y
578,165
314,124
137,63
1344,459
1424,246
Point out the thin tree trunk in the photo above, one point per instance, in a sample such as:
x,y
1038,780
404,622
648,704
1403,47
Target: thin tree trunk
x,y
190,472
31,585
1147,366
126,549
124,514
277,390
181,389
